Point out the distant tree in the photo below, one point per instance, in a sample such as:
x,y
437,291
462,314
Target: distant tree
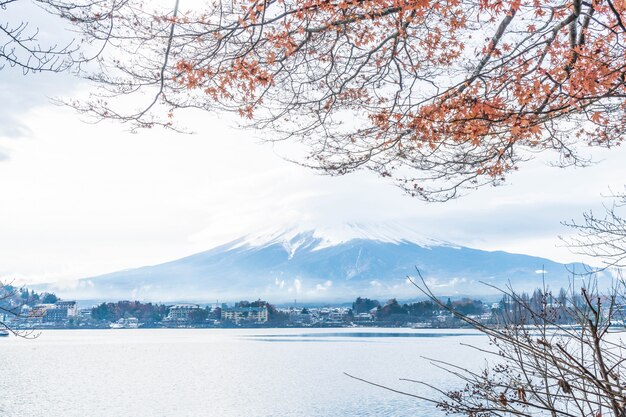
x,y
147,313
199,315
364,305
518,309
537,299
49,298
467,306
562,297
104,311
392,311
275,316
422,309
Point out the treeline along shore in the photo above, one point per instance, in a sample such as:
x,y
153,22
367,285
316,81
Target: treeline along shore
x,y
27,309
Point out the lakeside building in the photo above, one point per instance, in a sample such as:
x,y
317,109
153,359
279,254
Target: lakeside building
x,y
328,315
365,317
38,311
338,316
70,306
249,314
182,312
58,312
85,313
55,315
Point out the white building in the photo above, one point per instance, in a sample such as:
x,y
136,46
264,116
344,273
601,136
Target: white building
x,y
70,306
249,314
182,312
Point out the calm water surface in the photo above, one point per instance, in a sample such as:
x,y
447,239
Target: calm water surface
x,y
211,372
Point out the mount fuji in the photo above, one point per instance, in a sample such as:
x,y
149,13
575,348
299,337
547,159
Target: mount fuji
x,y
336,264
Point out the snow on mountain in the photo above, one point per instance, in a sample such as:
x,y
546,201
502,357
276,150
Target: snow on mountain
x,y
327,236
332,264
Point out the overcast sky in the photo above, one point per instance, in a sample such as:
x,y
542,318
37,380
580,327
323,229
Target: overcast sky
x,y
79,199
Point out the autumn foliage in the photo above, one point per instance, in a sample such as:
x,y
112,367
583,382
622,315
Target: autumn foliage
x,y
440,95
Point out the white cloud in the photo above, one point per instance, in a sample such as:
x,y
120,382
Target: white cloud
x,y
324,286
451,283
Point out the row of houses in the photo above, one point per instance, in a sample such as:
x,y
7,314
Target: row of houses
x,y
183,313
63,312
67,312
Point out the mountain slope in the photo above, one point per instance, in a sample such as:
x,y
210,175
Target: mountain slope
x,y
307,267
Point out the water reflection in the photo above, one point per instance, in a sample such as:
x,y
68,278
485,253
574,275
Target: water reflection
x,y
319,337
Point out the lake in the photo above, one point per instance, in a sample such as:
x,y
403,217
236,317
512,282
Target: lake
x,y
227,372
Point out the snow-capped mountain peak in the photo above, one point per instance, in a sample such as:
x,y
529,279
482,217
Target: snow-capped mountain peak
x,y
301,237
325,264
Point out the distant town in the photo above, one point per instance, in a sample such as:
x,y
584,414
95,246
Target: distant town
x,y
26,309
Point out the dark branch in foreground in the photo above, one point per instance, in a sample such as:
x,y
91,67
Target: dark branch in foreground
x,y
538,366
